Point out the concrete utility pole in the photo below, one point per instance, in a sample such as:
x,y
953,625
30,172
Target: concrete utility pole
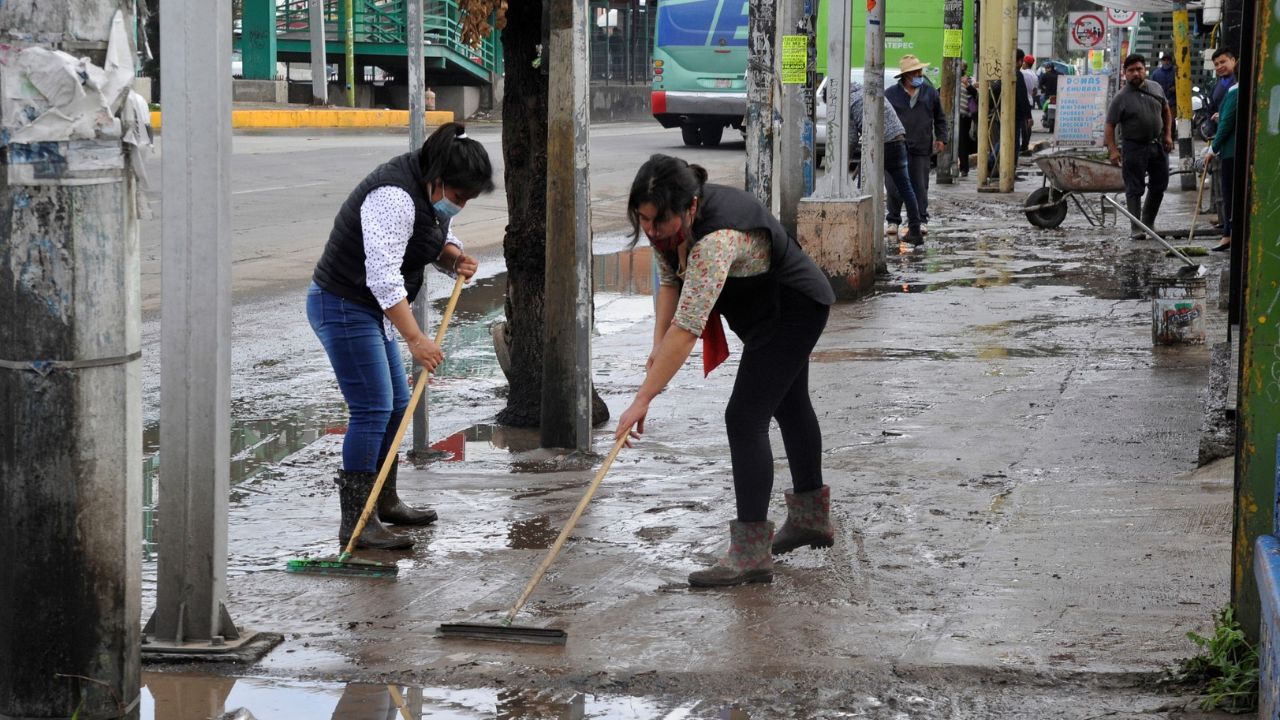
x,y
71,467
195,332
795,176
566,365
952,52
1008,94
761,31
1182,62
348,18
413,38
319,59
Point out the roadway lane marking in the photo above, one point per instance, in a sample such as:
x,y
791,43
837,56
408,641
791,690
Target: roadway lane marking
x,y
279,187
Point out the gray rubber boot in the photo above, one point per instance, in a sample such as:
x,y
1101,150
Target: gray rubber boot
x,y
808,521
749,559
392,510
353,492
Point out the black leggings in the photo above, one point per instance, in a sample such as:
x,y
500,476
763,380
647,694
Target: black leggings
x,y
773,382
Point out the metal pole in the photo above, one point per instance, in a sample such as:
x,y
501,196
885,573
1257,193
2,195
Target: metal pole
x,y
1008,94
566,367
1182,61
761,30
319,56
349,49
872,161
1257,414
195,327
796,134
413,37
71,465
953,24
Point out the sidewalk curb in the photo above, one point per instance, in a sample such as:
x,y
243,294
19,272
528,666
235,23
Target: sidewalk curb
x,y
309,118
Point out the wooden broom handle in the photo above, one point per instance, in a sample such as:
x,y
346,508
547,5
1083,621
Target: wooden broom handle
x,y
419,386
568,528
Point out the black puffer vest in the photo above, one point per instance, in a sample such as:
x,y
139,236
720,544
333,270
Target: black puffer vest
x,y
341,267
751,305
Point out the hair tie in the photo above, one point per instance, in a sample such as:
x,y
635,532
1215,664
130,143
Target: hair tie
x,y
462,136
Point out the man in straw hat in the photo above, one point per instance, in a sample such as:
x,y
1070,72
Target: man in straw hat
x,y
919,107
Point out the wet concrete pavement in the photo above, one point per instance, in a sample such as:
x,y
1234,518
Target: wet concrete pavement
x,y
1022,531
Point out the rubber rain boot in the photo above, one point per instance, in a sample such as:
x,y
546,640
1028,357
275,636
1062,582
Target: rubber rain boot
x,y
1134,206
808,521
353,492
749,559
392,510
1149,211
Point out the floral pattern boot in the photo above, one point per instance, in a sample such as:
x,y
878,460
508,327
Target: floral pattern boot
x,y
808,521
749,559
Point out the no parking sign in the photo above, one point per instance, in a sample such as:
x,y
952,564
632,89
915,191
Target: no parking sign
x,y
1085,30
1121,18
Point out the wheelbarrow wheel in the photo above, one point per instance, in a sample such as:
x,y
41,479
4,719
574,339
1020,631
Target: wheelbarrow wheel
x,y
1049,208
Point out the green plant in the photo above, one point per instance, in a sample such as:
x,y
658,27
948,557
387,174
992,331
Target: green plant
x,y
1225,672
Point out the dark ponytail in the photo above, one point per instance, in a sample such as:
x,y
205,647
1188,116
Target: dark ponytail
x,y
456,160
669,183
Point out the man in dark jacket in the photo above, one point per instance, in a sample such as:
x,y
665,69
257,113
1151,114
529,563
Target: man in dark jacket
x,y
1166,77
919,107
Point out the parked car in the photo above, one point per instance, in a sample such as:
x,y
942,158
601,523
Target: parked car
x,y
820,110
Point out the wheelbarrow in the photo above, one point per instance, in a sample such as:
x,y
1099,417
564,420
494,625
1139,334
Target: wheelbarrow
x,y
1070,175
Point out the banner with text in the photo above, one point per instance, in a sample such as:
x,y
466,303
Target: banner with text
x,y
1082,110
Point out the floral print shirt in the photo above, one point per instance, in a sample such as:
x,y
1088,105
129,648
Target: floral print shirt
x,y
715,258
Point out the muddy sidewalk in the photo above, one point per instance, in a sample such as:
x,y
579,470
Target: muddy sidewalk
x,y
1022,531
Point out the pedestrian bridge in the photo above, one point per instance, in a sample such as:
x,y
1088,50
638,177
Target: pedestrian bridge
x,y
380,38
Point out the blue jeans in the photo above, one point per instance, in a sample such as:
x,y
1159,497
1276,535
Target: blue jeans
x,y
901,189
370,374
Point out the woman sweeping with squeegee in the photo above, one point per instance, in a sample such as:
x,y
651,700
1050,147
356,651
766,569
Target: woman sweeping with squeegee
x,y
393,224
720,252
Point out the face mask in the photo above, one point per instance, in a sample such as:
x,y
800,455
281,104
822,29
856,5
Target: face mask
x,y
446,208
917,81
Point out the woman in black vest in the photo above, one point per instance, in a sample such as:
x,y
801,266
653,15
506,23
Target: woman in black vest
x,y
720,252
390,228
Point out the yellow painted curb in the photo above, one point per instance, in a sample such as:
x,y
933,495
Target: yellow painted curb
x,y
353,118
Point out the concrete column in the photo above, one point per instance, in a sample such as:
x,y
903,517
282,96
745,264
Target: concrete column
x,y
566,366
417,136
872,161
258,39
195,326
71,465
795,176
761,31
319,57
987,71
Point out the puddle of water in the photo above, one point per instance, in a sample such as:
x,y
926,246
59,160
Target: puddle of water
x,y
176,696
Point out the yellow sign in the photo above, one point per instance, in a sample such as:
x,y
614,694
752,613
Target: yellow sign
x,y
1097,59
795,59
952,43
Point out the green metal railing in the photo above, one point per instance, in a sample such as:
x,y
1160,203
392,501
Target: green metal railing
x,y
382,22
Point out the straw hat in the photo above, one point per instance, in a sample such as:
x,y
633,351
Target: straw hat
x,y
909,63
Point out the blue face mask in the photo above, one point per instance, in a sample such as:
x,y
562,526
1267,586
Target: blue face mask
x,y
917,81
446,208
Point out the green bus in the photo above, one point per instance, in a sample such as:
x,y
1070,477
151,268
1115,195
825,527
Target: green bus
x,y
700,57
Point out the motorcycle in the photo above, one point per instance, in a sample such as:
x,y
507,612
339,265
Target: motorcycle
x,y
1203,126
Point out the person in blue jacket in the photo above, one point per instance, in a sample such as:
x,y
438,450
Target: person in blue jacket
x,y
919,107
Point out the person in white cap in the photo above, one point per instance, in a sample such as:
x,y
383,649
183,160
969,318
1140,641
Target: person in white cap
x,y
919,107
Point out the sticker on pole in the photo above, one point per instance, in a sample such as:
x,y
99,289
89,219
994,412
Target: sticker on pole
x,y
952,43
795,59
1122,18
1085,30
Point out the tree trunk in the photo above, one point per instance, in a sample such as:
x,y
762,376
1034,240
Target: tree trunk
x,y
524,152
